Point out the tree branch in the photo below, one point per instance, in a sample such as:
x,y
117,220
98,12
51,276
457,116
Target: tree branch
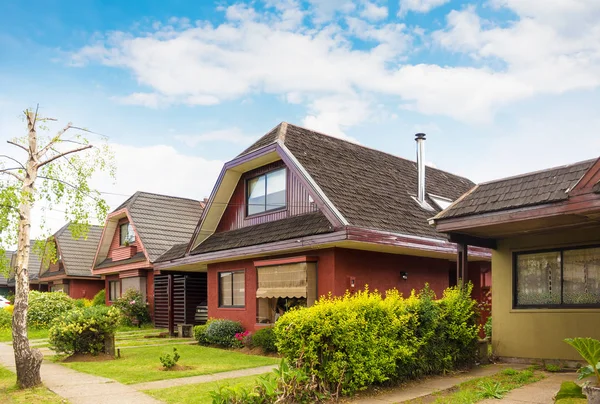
x,y
18,145
54,140
51,159
17,176
70,185
15,160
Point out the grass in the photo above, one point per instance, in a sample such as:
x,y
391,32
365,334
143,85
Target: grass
x,y
6,334
198,393
138,365
10,394
494,387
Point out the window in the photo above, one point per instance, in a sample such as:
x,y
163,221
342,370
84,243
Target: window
x,y
114,290
127,234
266,192
558,278
232,289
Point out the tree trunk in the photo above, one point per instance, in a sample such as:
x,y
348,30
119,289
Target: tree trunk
x,y
28,361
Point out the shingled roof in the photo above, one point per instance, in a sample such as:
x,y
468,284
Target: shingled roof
x,y
33,267
372,189
78,254
540,187
162,221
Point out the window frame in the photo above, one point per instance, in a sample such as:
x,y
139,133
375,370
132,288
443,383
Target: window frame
x,y
247,192
129,227
232,306
561,305
117,281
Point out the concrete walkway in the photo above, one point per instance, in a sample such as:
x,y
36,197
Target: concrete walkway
x,y
80,388
432,385
161,384
541,392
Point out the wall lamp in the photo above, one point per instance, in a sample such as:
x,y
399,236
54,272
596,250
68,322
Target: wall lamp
x,y
404,275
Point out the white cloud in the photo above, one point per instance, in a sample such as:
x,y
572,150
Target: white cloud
x,y
231,135
273,53
332,115
419,6
150,100
373,12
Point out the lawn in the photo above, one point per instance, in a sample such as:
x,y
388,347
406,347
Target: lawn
x,y
9,393
6,334
138,365
198,393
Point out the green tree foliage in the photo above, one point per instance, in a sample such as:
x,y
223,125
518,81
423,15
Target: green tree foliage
x,y
348,343
45,307
84,330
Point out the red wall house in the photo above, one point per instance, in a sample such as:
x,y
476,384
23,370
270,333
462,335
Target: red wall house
x,y
150,224
301,201
72,271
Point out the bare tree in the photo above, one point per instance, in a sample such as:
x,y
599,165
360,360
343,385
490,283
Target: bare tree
x,y
55,170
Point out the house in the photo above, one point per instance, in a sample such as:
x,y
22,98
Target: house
x,y
4,289
135,234
33,271
300,214
544,229
72,272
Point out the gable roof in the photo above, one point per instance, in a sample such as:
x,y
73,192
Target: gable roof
x,y
161,221
33,266
371,189
536,188
78,254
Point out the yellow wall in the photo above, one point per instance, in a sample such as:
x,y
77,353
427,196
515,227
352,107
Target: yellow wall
x,y
537,333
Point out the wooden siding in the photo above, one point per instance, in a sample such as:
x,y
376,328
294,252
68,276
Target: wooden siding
x,y
297,201
189,292
118,252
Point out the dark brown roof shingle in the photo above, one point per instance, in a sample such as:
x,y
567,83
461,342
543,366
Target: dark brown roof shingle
x,y
530,189
78,254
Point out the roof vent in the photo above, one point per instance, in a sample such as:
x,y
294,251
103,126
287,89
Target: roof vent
x,y
420,139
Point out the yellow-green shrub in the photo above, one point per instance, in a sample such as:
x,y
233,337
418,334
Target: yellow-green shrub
x,y
5,318
84,330
44,307
354,341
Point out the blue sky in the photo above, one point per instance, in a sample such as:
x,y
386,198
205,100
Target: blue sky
x,y
500,86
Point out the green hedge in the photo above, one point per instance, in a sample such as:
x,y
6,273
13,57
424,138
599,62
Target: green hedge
x,y
99,299
44,307
265,338
357,340
5,319
219,332
83,330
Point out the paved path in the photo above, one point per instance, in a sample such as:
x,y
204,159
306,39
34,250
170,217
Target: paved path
x,y
541,392
161,384
433,384
80,388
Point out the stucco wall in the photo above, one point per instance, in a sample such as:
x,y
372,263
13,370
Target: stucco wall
x,y
537,333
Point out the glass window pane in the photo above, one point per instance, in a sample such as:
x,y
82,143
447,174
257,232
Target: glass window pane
x,y
123,234
256,195
538,278
225,298
239,289
130,233
581,276
276,184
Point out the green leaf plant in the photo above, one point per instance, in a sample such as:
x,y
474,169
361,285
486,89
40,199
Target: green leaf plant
x,y
46,172
589,349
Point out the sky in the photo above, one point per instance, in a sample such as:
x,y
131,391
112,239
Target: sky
x,y
501,87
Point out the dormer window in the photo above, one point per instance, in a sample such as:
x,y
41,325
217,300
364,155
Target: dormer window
x,y
266,192
127,234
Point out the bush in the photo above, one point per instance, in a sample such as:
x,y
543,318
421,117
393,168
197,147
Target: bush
x,y
348,343
169,361
44,307
5,318
82,303
219,332
133,307
487,328
83,330
200,333
99,299
265,338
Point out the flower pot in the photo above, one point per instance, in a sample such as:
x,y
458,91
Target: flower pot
x,y
592,393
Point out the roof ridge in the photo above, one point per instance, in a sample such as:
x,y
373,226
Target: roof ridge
x,y
536,172
138,193
376,150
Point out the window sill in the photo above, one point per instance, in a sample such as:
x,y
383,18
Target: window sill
x,y
546,310
232,308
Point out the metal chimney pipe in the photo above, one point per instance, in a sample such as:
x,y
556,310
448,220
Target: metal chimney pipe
x,y
420,139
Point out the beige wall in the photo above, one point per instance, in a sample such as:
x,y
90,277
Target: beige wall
x,y
537,333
